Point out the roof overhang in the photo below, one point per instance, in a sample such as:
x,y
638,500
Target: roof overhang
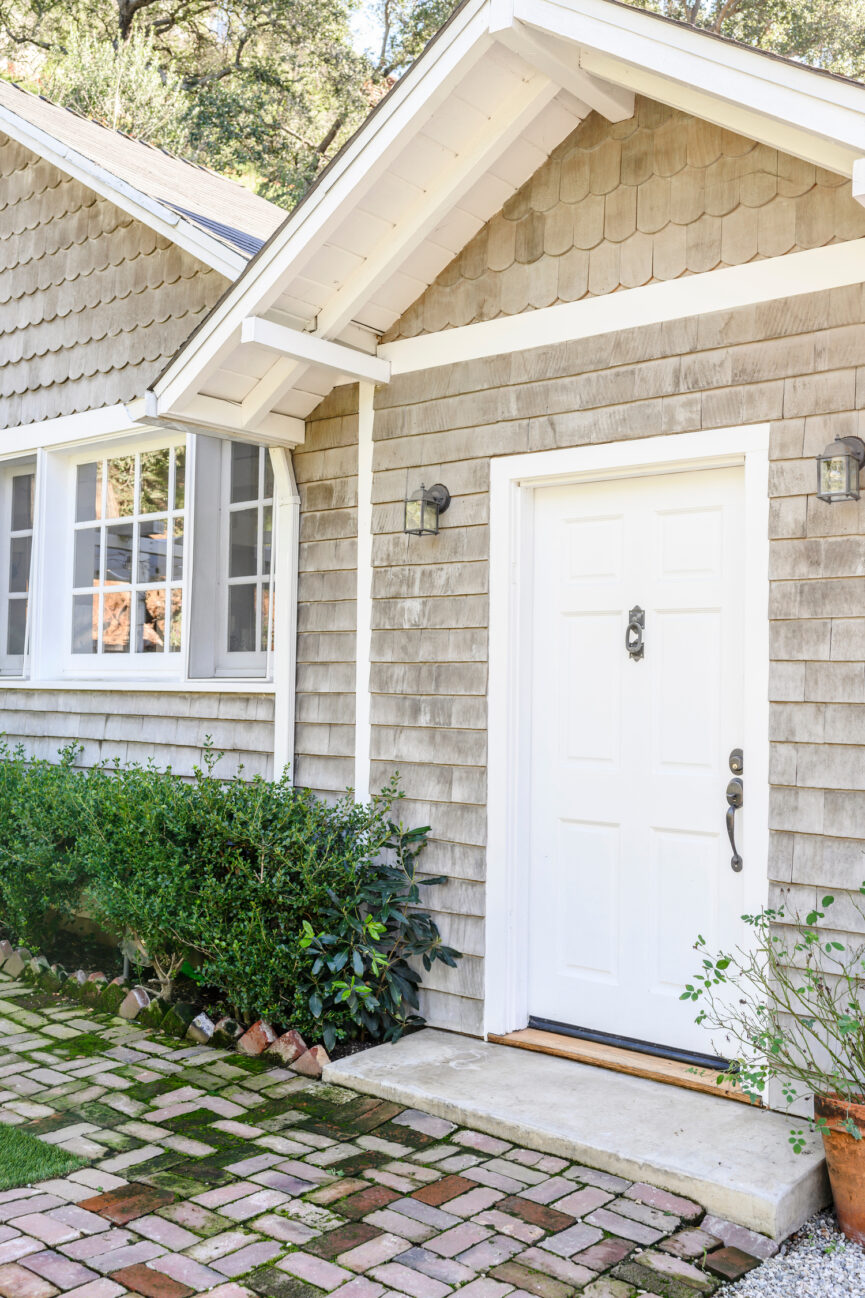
x,y
493,94
157,216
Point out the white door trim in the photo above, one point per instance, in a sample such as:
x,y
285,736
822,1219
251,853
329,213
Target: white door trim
x,y
513,480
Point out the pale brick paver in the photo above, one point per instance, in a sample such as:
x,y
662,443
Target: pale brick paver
x,y
215,1175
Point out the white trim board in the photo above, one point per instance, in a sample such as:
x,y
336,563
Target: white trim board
x,y
513,480
834,266
363,640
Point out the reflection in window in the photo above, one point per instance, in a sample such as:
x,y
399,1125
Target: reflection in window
x,y
250,526
20,521
128,553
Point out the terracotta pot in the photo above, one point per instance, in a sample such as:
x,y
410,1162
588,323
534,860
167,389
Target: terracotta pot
x,y
845,1159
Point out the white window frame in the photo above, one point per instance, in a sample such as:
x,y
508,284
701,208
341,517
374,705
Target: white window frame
x,y
14,665
256,662
61,508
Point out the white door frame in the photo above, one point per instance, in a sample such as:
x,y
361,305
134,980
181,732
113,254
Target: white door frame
x,y
513,481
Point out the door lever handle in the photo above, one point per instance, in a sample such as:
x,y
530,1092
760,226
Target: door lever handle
x,y
735,799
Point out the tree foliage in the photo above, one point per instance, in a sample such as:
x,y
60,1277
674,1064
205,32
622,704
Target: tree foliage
x,y
268,90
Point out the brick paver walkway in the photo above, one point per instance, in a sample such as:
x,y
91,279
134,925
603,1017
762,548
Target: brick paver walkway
x,y
215,1174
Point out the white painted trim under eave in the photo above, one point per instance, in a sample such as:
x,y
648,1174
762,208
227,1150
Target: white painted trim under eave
x,y
354,171
796,273
344,361
513,480
157,216
363,650
825,107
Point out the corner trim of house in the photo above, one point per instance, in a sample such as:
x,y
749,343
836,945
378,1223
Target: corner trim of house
x,y
363,642
791,275
513,480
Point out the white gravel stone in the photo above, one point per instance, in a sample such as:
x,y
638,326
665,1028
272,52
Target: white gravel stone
x,y
816,1262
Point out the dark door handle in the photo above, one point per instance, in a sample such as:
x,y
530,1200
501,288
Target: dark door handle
x,y
734,801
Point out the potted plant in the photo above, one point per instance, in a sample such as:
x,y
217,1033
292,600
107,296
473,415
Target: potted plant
x,y
791,1007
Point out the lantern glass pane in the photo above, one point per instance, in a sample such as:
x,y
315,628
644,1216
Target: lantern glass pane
x,y
413,515
833,476
430,517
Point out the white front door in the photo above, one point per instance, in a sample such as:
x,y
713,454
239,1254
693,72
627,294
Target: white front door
x,y
630,858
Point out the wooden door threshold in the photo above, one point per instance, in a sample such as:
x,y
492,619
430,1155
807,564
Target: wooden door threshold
x,y
622,1061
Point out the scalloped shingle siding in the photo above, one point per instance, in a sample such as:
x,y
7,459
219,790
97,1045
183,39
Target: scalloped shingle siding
x,y
92,302
619,205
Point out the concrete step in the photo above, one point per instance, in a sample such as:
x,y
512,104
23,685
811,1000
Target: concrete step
x,y
733,1159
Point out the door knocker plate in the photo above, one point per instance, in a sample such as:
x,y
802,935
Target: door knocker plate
x,y
634,633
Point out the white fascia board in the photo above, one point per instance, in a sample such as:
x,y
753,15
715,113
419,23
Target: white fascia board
x,y
307,347
213,252
69,430
353,174
796,273
822,106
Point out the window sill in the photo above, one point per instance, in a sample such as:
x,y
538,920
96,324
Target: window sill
x,y
108,684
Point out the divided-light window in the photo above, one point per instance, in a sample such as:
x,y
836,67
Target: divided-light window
x,y
250,535
17,492
127,595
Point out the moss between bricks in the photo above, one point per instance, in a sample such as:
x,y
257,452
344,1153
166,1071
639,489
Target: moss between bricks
x,y
106,998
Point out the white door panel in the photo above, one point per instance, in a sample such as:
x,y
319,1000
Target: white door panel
x,y
629,853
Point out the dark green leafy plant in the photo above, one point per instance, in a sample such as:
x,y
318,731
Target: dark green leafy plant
x,y
789,1007
374,929
225,880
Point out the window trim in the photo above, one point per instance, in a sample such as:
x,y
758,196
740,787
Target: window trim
x,y
14,666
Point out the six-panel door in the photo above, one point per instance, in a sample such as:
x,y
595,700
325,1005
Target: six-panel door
x,y
630,859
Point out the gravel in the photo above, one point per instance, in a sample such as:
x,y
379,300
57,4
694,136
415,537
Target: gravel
x,y
816,1262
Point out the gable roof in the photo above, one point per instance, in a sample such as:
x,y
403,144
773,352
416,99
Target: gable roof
x,y
209,216
495,92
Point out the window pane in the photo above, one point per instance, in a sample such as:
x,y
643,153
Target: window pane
x,y
118,554
153,490
88,492
19,563
22,501
121,487
266,597
176,614
16,626
244,472
85,624
242,542
150,621
115,623
180,477
241,619
177,551
268,476
267,537
86,564
152,550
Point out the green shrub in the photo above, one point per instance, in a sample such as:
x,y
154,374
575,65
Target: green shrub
x,y
44,866
271,893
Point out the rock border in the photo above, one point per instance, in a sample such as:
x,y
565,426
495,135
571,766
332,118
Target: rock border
x,y
180,1019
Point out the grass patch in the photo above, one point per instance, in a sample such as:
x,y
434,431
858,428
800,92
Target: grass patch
x,y
25,1159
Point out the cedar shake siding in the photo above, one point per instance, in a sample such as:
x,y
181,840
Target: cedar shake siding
x,y
623,204
92,302
168,727
325,467
795,364
618,206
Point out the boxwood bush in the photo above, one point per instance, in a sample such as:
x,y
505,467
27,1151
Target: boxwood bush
x,y
286,906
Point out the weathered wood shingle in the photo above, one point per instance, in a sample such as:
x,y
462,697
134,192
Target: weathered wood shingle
x,y
92,302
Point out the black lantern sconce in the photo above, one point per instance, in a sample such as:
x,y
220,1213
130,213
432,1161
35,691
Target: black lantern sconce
x,y
838,470
424,508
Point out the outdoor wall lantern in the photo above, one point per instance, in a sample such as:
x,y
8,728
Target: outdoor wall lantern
x,y
838,470
424,508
